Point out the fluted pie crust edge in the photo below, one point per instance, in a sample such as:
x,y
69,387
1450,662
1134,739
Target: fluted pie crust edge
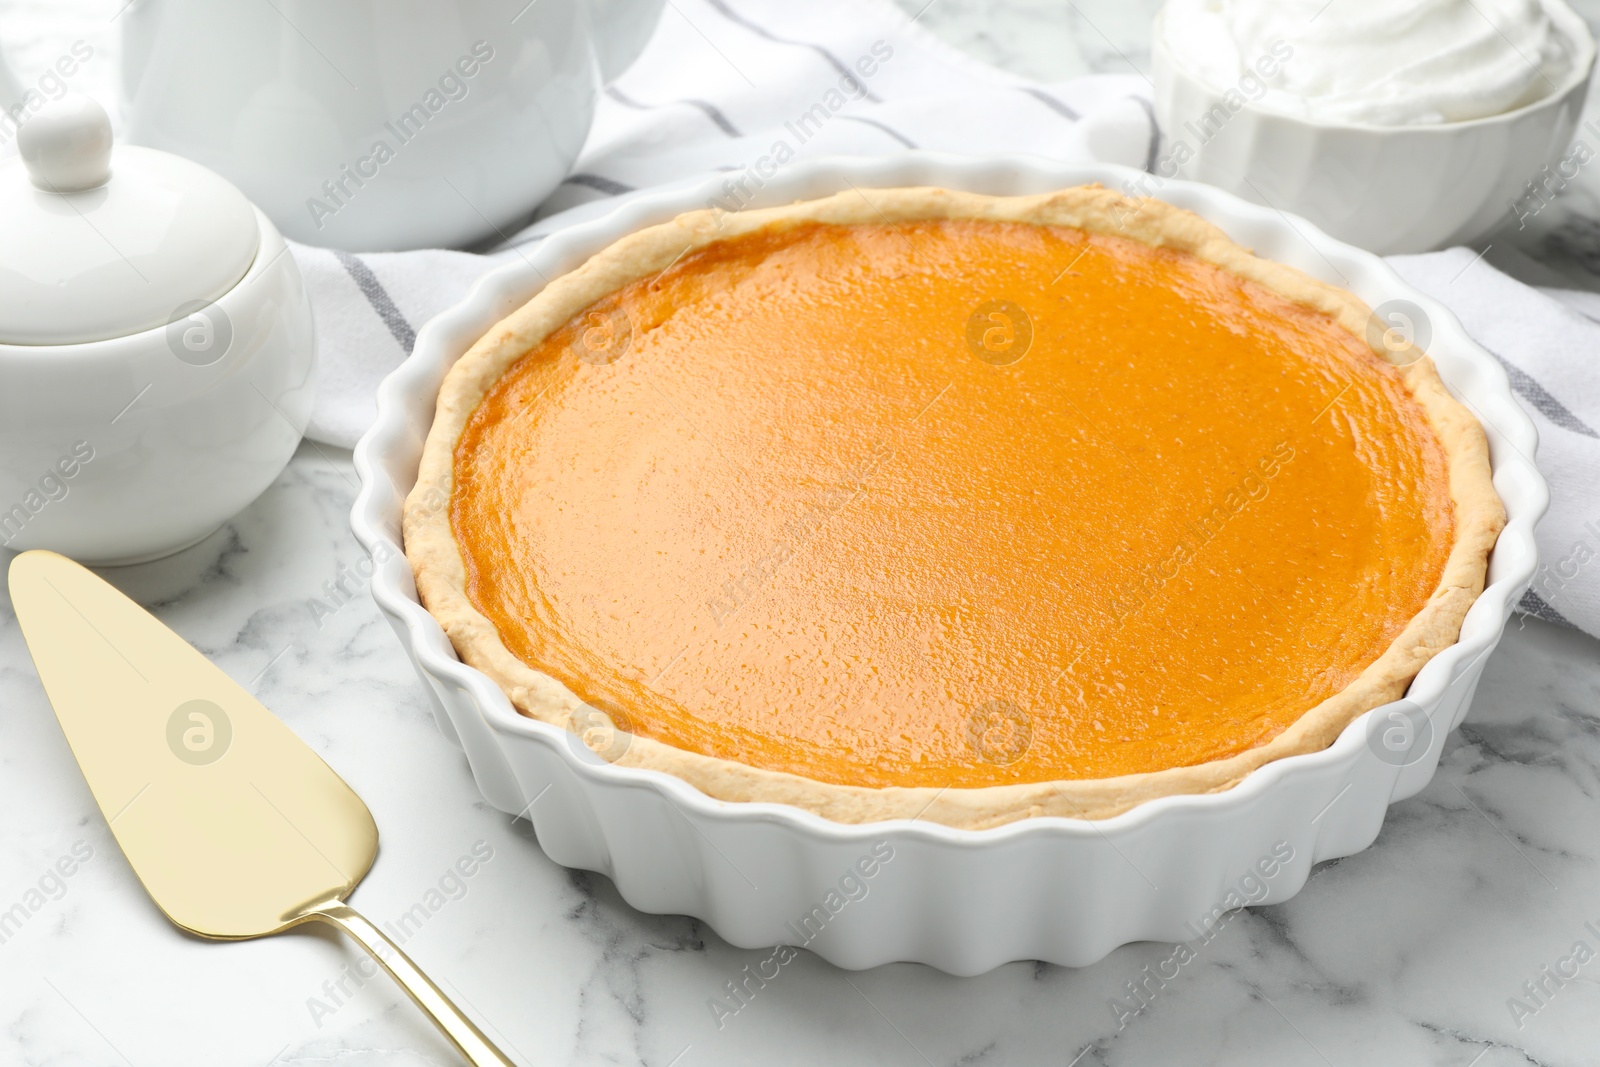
x,y
440,572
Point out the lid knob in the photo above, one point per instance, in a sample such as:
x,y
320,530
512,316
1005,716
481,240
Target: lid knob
x,y
67,145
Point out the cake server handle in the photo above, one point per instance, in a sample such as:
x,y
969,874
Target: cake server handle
x,y
468,1040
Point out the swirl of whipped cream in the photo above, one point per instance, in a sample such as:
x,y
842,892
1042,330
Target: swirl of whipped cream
x,y
1378,62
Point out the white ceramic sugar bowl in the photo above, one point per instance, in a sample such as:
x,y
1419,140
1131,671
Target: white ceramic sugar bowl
x,y
156,349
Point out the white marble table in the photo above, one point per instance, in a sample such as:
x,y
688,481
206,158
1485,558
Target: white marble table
x,y
1407,953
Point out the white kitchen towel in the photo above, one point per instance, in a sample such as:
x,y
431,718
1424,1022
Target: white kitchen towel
x,y
720,84
1551,353
724,82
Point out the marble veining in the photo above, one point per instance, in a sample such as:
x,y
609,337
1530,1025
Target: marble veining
x,y
1410,952
1452,941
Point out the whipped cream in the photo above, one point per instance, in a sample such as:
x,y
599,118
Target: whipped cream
x,y
1377,62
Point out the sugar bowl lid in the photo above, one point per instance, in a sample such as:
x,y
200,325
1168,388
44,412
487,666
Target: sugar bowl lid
x,y
98,241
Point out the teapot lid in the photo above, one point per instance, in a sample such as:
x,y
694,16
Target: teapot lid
x,y
100,241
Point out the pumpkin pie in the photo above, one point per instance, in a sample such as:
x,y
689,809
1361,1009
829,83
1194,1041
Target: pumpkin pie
x,y
921,503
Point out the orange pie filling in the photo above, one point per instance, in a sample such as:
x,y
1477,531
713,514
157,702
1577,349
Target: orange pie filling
x,y
951,503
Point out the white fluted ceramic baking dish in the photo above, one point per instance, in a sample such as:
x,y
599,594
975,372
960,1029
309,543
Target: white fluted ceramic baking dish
x,y
1061,890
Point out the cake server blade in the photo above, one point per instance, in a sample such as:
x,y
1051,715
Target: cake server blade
x,y
234,826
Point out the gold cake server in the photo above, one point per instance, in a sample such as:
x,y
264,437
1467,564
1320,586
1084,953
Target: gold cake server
x,y
233,824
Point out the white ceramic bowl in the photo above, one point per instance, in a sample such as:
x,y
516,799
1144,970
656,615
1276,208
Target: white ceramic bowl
x,y
1061,890
1387,189
162,447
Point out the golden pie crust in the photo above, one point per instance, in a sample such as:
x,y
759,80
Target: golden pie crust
x,y
442,575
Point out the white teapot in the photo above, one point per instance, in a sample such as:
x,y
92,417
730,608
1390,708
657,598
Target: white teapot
x,y
373,125
156,345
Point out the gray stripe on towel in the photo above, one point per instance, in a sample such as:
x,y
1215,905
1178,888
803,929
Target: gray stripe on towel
x,y
1534,604
733,16
1051,102
1537,395
379,298
1155,135
599,183
710,110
